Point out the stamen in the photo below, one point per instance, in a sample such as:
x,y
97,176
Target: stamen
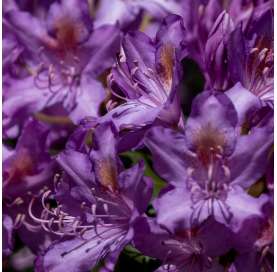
x,y
254,50
18,201
262,54
227,171
18,220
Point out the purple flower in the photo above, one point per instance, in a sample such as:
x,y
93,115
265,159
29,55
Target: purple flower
x,y
147,76
194,249
258,254
98,203
214,44
63,54
210,165
253,66
239,49
27,172
28,167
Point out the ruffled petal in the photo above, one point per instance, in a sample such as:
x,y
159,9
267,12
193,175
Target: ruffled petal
x,y
123,13
132,114
103,45
247,163
104,155
139,51
78,166
7,235
170,156
243,100
80,254
212,122
17,108
135,187
88,100
243,207
174,210
172,32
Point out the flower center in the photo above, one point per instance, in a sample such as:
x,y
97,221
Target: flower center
x,y
186,253
209,143
68,33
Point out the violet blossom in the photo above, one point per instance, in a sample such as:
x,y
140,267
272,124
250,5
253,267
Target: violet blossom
x,y
193,249
146,78
27,171
210,165
63,55
98,203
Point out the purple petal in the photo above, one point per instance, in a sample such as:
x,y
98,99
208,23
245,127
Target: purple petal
x,y
20,24
123,13
135,187
160,8
77,165
17,108
104,156
243,100
172,32
30,166
7,235
170,156
133,114
139,50
218,244
251,152
88,100
103,45
243,207
77,254
149,237
215,128
215,51
237,55
170,214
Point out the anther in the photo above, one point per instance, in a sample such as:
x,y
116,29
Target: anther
x,y
262,54
227,171
253,50
105,206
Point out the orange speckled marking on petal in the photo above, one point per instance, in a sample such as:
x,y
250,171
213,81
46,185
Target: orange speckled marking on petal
x,y
167,63
68,32
207,140
21,166
107,174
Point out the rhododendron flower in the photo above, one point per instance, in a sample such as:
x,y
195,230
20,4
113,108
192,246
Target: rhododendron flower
x,y
210,165
98,203
63,56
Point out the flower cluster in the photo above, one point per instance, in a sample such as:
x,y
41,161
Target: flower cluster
x,y
107,146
